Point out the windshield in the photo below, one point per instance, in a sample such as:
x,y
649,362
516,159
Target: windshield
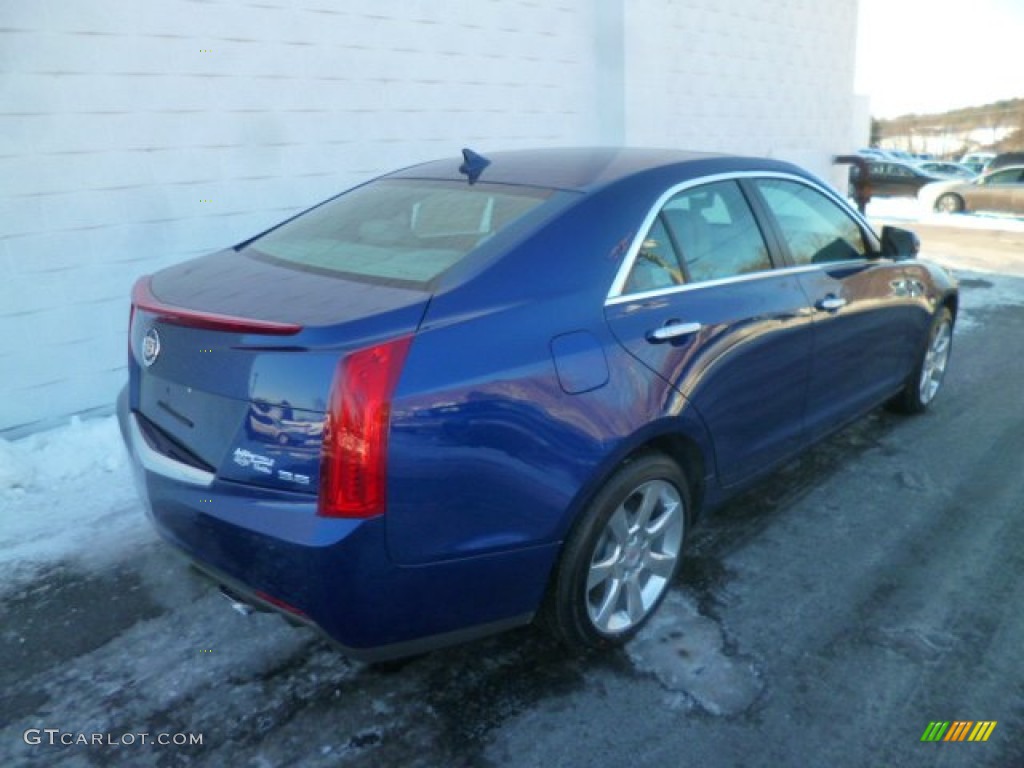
x,y
397,231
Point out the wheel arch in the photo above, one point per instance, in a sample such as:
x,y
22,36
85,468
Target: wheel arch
x,y
687,451
962,200
690,460
556,611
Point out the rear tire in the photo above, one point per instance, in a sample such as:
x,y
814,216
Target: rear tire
x,y
925,380
949,203
621,556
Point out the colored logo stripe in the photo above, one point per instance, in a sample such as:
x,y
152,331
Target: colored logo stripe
x,y
958,730
982,731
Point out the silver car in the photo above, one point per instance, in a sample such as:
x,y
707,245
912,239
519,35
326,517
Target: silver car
x,y
1001,191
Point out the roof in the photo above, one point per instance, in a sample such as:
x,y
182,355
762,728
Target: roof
x,y
587,168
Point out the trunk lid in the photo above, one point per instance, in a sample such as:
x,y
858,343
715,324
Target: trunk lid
x,y
232,360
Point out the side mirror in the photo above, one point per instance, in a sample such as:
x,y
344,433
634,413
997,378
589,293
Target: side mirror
x,y
899,244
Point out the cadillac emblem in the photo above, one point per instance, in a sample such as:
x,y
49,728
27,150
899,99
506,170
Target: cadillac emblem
x,y
150,347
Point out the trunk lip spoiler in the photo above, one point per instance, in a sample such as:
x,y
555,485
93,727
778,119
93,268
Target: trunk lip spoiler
x,y
143,298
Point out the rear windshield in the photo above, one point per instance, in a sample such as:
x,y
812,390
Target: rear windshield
x,y
397,231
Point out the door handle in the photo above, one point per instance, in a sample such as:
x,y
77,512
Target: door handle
x,y
831,303
672,330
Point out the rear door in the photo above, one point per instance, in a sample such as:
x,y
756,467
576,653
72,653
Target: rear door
x,y
866,320
702,305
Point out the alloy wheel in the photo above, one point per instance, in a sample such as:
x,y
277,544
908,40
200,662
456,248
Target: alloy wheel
x,y
635,557
935,361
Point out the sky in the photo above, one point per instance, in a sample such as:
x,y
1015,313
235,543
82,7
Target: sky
x,y
934,55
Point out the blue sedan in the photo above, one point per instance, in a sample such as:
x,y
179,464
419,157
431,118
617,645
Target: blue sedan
x,y
485,390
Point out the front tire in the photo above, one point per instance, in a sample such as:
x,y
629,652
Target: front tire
x,y
925,381
949,203
621,557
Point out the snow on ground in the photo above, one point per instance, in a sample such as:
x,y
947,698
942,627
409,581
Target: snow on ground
x,y
67,494
909,209
980,293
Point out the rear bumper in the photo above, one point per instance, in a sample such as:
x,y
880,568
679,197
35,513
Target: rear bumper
x,y
335,573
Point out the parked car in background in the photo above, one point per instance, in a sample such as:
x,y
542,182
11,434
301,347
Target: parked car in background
x,y
1004,160
977,160
901,155
874,153
947,169
892,178
1000,191
527,375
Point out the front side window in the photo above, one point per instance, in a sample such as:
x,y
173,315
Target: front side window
x,y
815,229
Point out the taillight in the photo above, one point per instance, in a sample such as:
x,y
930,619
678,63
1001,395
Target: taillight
x,y
353,472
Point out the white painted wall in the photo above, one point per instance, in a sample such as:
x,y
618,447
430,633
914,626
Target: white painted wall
x,y
743,76
137,134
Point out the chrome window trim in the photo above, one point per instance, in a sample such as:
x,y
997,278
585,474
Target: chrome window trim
x,y
615,294
658,292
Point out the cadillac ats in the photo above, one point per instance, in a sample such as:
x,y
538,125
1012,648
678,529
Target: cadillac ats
x,y
485,390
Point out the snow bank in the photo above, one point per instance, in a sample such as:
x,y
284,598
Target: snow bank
x,y
48,458
909,209
67,495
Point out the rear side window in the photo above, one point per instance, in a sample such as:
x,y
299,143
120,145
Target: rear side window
x,y
656,264
716,232
400,231
816,230
1012,176
704,233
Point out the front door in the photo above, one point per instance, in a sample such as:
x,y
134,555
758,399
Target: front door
x,y
866,320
